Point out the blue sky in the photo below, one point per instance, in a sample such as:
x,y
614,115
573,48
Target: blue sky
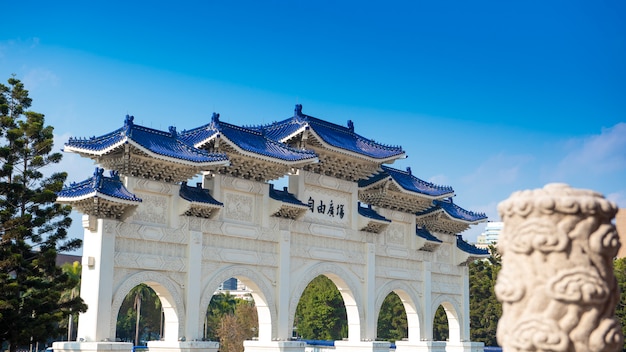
x,y
488,97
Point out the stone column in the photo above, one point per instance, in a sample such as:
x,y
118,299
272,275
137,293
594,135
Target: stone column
x,y
96,330
556,285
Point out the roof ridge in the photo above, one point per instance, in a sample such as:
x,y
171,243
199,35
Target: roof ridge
x,y
459,208
408,172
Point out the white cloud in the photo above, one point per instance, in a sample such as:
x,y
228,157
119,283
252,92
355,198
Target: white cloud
x,y
77,168
596,155
37,77
618,198
441,180
500,169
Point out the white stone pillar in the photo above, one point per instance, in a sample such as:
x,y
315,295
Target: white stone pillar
x,y
283,286
96,287
192,287
370,293
464,315
427,319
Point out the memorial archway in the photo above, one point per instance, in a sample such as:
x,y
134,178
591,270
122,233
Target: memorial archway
x,y
370,228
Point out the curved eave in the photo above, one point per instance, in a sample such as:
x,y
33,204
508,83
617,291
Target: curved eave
x,y
289,210
203,204
400,189
96,194
307,128
247,153
353,154
200,209
298,131
220,162
431,213
368,224
465,221
95,152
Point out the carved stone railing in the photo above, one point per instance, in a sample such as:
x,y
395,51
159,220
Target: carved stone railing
x,y
557,286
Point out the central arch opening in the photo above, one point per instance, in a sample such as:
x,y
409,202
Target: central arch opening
x,y
392,322
321,312
236,312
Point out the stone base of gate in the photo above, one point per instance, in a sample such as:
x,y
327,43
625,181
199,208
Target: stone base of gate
x,y
420,346
438,346
74,346
183,346
273,346
362,346
465,347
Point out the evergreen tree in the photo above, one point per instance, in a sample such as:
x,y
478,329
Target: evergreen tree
x,y
321,313
392,320
441,329
485,310
33,228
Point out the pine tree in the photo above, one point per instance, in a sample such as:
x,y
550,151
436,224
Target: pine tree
x,y
33,228
485,310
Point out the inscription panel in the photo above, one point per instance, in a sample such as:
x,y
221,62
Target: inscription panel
x,y
327,206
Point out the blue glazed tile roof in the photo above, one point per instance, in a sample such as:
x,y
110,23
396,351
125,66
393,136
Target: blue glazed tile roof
x,y
425,234
99,184
197,194
370,213
335,135
250,140
457,212
167,144
284,196
408,182
469,248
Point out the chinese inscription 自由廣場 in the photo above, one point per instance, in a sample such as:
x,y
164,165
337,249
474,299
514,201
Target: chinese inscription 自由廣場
x,y
329,209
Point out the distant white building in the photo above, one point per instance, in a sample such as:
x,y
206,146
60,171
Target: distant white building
x,y
490,235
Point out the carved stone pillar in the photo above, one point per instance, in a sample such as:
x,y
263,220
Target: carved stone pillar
x,y
557,287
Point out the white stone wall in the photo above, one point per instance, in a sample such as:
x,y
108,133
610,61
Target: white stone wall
x,y
185,259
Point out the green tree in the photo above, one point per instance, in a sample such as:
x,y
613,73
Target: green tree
x,y
73,270
33,228
321,313
221,304
619,267
485,310
392,320
238,326
140,315
441,329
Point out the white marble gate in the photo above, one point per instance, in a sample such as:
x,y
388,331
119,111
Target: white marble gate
x,y
276,242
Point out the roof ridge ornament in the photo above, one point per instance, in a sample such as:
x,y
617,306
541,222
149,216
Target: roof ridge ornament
x,y
97,177
408,170
115,175
298,110
351,126
128,121
173,131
